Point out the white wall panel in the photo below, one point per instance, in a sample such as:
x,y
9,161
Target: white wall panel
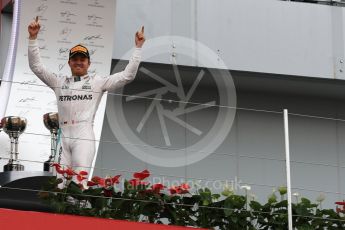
x,y
5,35
262,36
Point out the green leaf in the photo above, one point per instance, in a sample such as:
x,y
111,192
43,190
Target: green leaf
x,y
256,206
205,202
117,203
228,209
73,188
100,203
234,218
281,204
282,190
215,196
238,201
205,196
93,191
305,201
208,190
272,198
149,209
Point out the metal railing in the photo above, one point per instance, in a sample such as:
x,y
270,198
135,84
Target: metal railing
x,y
323,2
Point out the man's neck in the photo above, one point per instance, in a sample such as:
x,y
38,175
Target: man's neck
x,y
78,78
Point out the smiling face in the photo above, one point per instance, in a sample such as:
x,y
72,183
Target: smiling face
x,y
79,65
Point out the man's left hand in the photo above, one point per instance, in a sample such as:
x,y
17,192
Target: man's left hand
x,y
139,38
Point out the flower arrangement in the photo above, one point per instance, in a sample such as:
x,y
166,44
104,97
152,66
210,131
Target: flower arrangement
x,y
138,200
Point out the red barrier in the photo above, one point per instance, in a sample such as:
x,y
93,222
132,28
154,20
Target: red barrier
x,y
28,220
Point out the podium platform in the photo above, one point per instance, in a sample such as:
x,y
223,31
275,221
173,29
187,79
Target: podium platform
x,y
19,190
42,221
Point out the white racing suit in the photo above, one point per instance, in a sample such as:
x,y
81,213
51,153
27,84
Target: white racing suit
x,y
77,103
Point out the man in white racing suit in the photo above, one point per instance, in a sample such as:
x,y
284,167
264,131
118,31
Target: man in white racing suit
x,y
78,96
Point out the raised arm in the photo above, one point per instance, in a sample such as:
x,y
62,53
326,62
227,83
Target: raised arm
x,y
35,62
118,80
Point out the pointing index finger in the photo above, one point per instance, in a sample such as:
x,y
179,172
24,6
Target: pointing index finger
x,y
36,20
142,29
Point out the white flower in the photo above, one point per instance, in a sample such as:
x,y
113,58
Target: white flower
x,y
227,186
321,197
296,194
246,187
252,197
84,184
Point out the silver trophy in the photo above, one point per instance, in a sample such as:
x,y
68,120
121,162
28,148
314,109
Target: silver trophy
x,y
13,126
51,122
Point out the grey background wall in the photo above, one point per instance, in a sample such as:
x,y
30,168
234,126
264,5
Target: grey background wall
x,y
267,36
253,152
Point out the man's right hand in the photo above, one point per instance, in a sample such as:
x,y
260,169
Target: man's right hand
x,y
33,29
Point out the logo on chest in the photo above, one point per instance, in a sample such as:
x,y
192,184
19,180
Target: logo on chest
x,y
86,85
64,86
75,98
